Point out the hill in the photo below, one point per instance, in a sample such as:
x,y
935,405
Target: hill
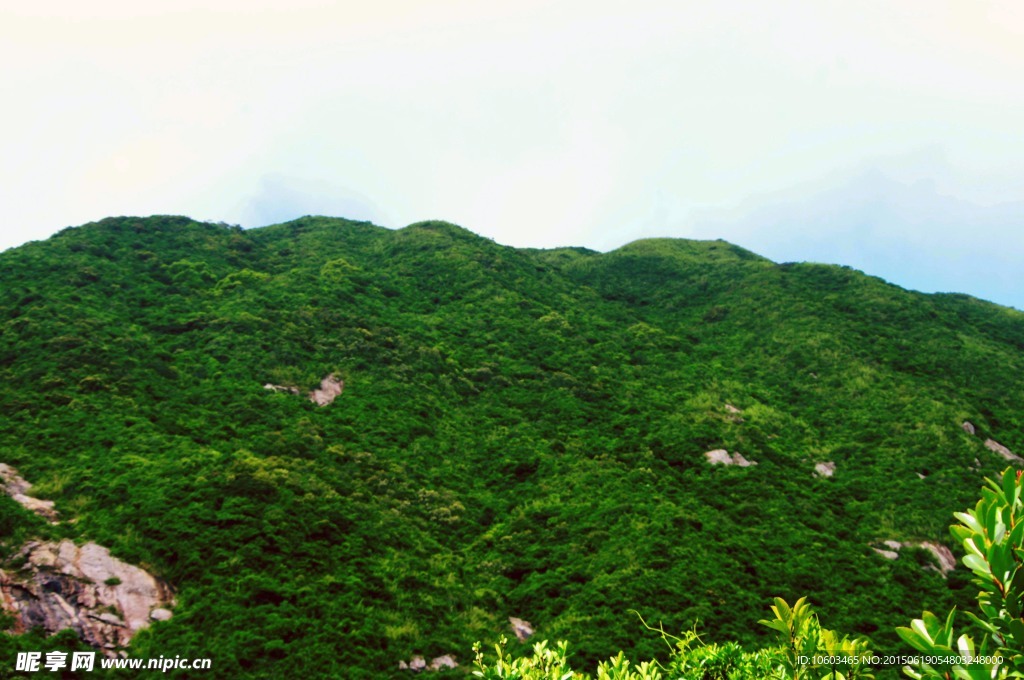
x,y
519,433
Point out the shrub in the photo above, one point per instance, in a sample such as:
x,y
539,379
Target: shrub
x,y
992,535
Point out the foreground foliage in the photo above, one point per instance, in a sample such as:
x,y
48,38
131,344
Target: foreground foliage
x,y
805,650
802,641
992,534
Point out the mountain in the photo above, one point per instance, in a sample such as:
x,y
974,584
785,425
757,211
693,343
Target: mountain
x,y
509,433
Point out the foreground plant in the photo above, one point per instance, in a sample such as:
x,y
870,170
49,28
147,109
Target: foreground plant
x,y
992,535
806,651
810,651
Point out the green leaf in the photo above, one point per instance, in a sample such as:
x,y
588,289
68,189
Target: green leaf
x,y
915,638
977,564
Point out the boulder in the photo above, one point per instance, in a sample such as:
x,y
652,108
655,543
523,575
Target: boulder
x,y
993,445
719,457
522,629
944,556
160,614
330,389
445,661
738,459
722,457
968,427
734,413
825,469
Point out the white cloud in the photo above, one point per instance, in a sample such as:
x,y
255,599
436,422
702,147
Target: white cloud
x,y
534,123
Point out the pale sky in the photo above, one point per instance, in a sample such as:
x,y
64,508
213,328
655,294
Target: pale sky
x,y
886,135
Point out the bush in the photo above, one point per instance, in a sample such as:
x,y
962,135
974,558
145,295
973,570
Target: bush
x,y
992,535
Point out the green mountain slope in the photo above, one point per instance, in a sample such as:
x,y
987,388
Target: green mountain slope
x,y
521,433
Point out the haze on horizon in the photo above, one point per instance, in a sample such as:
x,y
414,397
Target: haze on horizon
x,y
885,136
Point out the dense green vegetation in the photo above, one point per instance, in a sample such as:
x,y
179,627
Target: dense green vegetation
x,y
522,433
992,535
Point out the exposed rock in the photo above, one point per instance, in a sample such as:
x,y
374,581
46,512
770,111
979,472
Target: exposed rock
x,y
719,457
947,562
107,617
738,459
61,585
15,486
281,388
418,663
160,614
42,508
331,388
993,445
446,661
922,475
13,482
734,413
522,629
825,469
722,457
943,555
968,427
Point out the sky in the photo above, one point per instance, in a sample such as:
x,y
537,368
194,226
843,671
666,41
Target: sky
x,y
887,136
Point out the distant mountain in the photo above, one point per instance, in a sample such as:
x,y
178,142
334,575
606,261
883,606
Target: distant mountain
x,y
681,428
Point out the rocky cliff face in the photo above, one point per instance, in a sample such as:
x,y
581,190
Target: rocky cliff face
x,y
62,585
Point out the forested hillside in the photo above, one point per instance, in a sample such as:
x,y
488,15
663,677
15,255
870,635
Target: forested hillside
x,y
521,433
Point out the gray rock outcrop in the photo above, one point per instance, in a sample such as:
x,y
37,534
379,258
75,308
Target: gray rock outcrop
x,y
887,554
722,457
522,629
734,413
443,661
281,388
330,389
993,445
418,663
943,555
15,486
826,469
62,585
